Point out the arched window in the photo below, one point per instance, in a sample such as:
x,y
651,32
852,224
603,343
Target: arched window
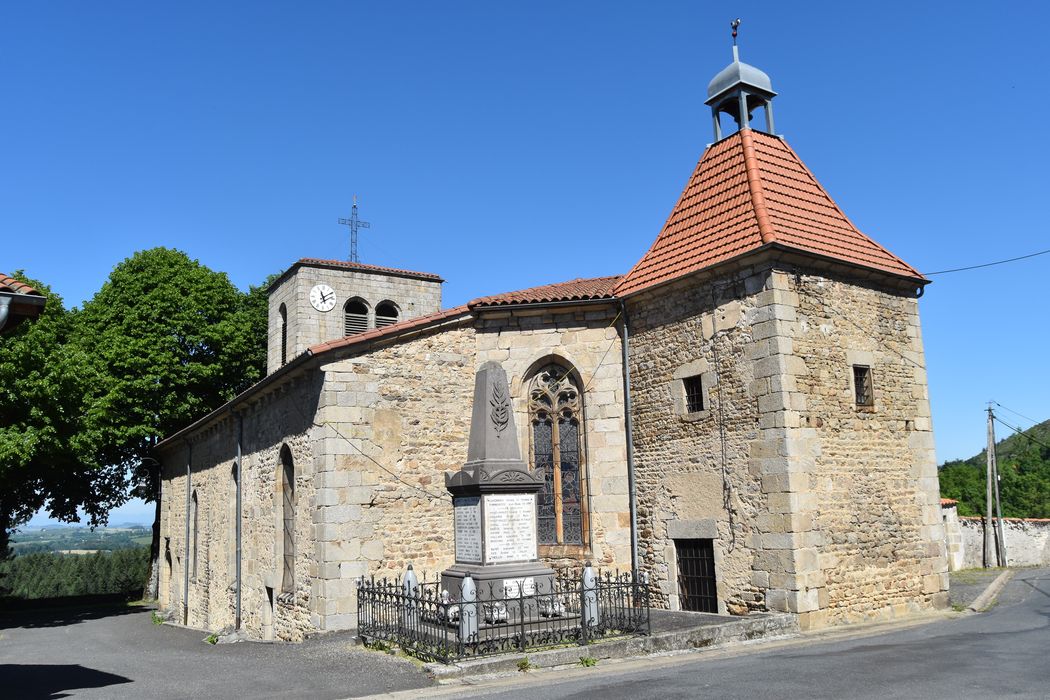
x,y
556,416
288,520
356,316
193,536
283,311
386,314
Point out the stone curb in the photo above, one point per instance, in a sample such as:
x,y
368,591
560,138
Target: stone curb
x,y
982,601
755,626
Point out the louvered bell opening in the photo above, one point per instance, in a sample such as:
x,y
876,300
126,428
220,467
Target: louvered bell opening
x,y
356,318
386,315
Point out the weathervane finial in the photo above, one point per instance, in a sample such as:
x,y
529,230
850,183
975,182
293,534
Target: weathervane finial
x,y
734,24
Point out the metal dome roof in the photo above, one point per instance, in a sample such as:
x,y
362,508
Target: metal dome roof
x,y
736,73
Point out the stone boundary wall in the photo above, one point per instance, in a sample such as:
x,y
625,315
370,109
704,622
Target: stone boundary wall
x,y
1027,541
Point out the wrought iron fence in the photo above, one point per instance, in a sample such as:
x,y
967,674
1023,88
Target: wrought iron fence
x,y
574,607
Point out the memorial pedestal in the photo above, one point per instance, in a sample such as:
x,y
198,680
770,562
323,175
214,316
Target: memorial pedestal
x,y
494,502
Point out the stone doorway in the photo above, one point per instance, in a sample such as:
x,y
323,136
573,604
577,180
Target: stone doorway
x,y
697,588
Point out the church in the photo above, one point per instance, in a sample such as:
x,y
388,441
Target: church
x,y
743,416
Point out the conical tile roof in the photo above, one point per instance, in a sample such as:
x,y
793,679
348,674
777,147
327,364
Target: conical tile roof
x,y
748,191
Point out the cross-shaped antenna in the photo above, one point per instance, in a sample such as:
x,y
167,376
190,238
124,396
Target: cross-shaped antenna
x,y
354,223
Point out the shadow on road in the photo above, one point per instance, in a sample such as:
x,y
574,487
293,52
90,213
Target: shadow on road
x,y
50,681
61,616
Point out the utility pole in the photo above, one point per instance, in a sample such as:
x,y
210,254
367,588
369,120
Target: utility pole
x,y
993,530
999,536
989,547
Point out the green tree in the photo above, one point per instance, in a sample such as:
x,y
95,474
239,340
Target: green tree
x,y
171,340
46,459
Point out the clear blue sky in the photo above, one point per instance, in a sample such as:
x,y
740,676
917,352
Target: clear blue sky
x,y
506,146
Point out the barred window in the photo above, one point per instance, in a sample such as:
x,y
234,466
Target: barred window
x,y
555,416
386,314
862,385
694,394
356,317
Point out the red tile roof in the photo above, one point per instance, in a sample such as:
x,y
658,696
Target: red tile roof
x,y
948,501
750,190
10,284
579,289
391,330
370,268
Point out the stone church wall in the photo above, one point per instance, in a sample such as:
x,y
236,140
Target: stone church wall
x,y
395,419
824,509
686,330
278,419
586,339
867,479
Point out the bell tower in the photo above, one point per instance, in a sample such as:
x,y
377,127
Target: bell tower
x,y
738,90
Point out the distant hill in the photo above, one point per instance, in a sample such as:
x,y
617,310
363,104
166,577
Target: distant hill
x,y
1024,472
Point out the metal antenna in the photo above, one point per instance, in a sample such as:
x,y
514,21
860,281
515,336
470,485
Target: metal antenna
x,y
354,223
736,52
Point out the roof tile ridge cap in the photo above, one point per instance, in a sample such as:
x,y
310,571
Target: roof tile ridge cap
x,y
754,184
478,301
839,209
626,278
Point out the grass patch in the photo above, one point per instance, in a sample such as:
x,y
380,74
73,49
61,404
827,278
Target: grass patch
x,y
155,618
212,639
588,661
524,665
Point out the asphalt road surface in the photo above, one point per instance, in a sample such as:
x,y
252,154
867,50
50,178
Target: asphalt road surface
x,y
119,653
1002,653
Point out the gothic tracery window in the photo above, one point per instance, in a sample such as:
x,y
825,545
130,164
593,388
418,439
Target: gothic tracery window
x,y
555,415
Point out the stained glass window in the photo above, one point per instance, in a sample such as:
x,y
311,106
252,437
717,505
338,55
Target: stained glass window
x,y
554,411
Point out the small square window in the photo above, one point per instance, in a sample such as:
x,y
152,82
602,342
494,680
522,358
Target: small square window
x,y
864,395
694,394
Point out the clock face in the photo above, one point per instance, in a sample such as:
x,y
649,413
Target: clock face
x,y
322,297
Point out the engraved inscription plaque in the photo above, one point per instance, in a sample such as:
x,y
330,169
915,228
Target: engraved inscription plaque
x,y
516,587
467,512
510,527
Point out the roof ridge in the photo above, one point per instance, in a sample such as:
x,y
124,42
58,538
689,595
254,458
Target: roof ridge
x,y
663,229
835,204
754,184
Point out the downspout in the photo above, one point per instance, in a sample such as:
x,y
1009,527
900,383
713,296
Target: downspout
x,y
629,431
186,562
240,439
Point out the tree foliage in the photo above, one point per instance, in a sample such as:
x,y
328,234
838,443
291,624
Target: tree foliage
x,y
1024,472
47,459
51,575
84,395
171,340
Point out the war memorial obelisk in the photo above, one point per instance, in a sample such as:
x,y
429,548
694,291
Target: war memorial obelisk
x,y
494,501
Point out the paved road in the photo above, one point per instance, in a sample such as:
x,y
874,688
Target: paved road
x,y
119,653
1004,652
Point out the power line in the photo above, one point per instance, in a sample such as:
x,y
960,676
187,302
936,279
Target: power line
x,y
997,262
1022,433
1020,415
